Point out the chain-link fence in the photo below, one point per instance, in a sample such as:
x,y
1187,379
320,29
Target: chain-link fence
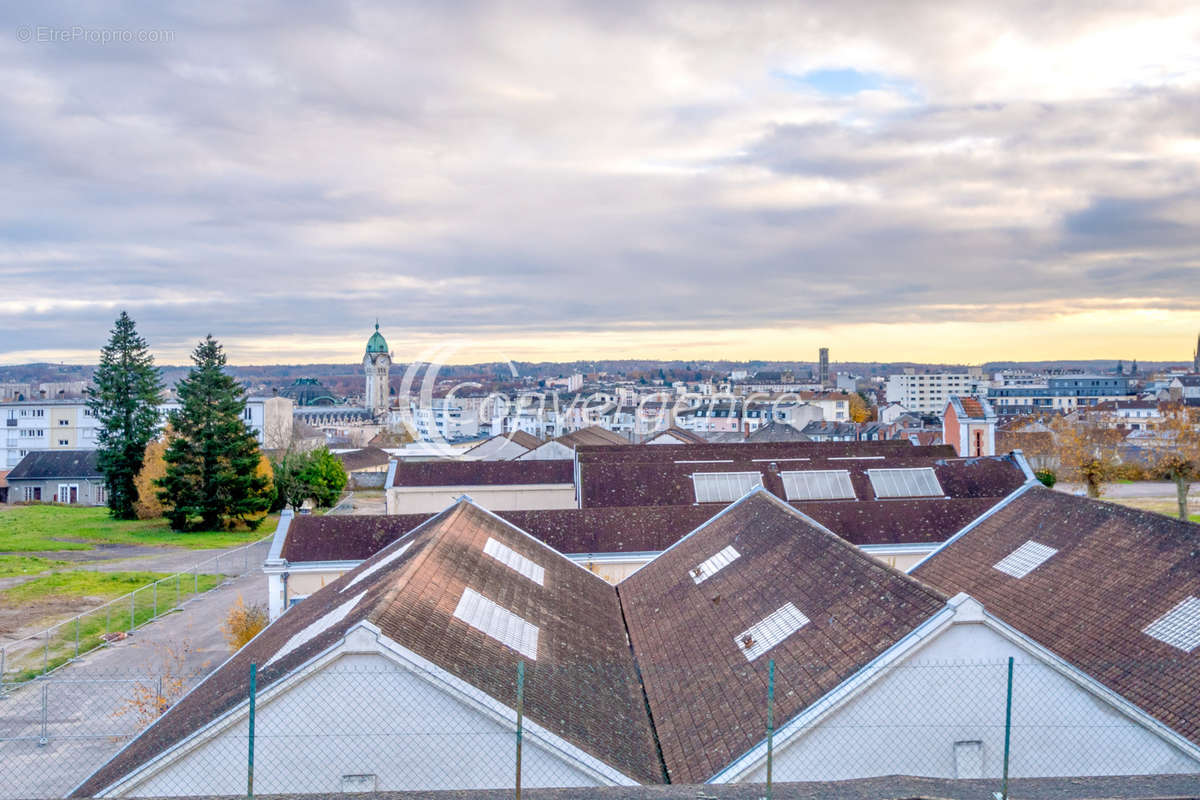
x,y
40,653
363,724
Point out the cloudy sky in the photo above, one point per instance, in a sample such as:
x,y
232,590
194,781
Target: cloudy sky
x,y
896,180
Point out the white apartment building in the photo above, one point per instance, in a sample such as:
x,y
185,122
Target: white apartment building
x,y
927,393
446,418
36,425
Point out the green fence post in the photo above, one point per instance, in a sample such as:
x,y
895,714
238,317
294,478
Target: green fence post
x,y
1007,730
132,610
770,722
250,754
520,719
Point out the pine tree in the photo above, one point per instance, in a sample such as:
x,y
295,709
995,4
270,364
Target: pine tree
x,y
212,478
123,398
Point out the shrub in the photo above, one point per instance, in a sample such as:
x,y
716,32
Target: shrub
x,y
242,623
1047,477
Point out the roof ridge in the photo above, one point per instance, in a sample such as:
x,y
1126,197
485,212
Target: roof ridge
x,y
403,575
857,551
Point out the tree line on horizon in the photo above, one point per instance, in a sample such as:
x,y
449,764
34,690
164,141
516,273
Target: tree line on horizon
x,y
203,470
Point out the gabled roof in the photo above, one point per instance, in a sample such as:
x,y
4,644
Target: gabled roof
x,y
410,592
48,464
777,432
482,473
1113,573
503,447
594,435
619,482
365,458
638,529
679,435
706,697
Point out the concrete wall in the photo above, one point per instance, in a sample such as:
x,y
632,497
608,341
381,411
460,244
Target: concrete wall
x,y
366,480
433,499
363,716
909,722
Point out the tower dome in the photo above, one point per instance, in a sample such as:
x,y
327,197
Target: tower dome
x,y
377,344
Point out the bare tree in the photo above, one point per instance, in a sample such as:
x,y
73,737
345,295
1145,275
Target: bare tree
x,y
1086,445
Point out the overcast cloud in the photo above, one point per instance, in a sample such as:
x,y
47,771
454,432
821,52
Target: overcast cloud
x,y
519,172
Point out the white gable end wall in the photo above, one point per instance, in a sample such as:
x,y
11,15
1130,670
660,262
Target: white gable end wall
x,y
940,713
362,714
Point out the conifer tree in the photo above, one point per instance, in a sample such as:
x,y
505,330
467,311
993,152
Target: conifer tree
x,y
124,398
212,478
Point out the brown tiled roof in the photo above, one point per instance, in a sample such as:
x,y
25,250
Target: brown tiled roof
x,y
483,473
972,406
594,435
639,529
750,450
521,442
706,699
365,458
620,482
678,433
1116,571
582,686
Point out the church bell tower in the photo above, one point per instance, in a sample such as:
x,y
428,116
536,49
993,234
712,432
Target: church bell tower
x,y
377,363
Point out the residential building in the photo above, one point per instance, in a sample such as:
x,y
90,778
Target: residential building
x,y
502,447
1060,394
451,418
969,426
70,477
37,425
927,392
564,446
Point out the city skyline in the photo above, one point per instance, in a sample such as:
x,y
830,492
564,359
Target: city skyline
x,y
597,181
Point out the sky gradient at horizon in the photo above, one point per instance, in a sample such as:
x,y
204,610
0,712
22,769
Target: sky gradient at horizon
x,y
552,181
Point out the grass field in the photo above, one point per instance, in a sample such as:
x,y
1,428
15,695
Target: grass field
x,y
48,528
1159,506
11,566
86,584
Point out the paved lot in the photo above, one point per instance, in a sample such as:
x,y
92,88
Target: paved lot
x,y
83,700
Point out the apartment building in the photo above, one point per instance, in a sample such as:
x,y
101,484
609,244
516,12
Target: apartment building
x,y
1061,394
927,393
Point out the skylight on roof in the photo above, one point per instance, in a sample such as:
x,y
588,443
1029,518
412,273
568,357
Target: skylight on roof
x,y
818,484
714,564
497,622
761,637
1179,627
378,565
1025,559
511,558
724,487
912,482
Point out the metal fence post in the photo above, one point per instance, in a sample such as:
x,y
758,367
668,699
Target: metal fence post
x,y
3,657
770,722
77,637
107,620
155,601
132,610
178,600
250,753
196,580
1007,730
520,719
46,652
44,739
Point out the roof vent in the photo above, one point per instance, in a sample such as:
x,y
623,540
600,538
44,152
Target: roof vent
x,y
1179,627
724,487
909,482
1025,559
818,484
